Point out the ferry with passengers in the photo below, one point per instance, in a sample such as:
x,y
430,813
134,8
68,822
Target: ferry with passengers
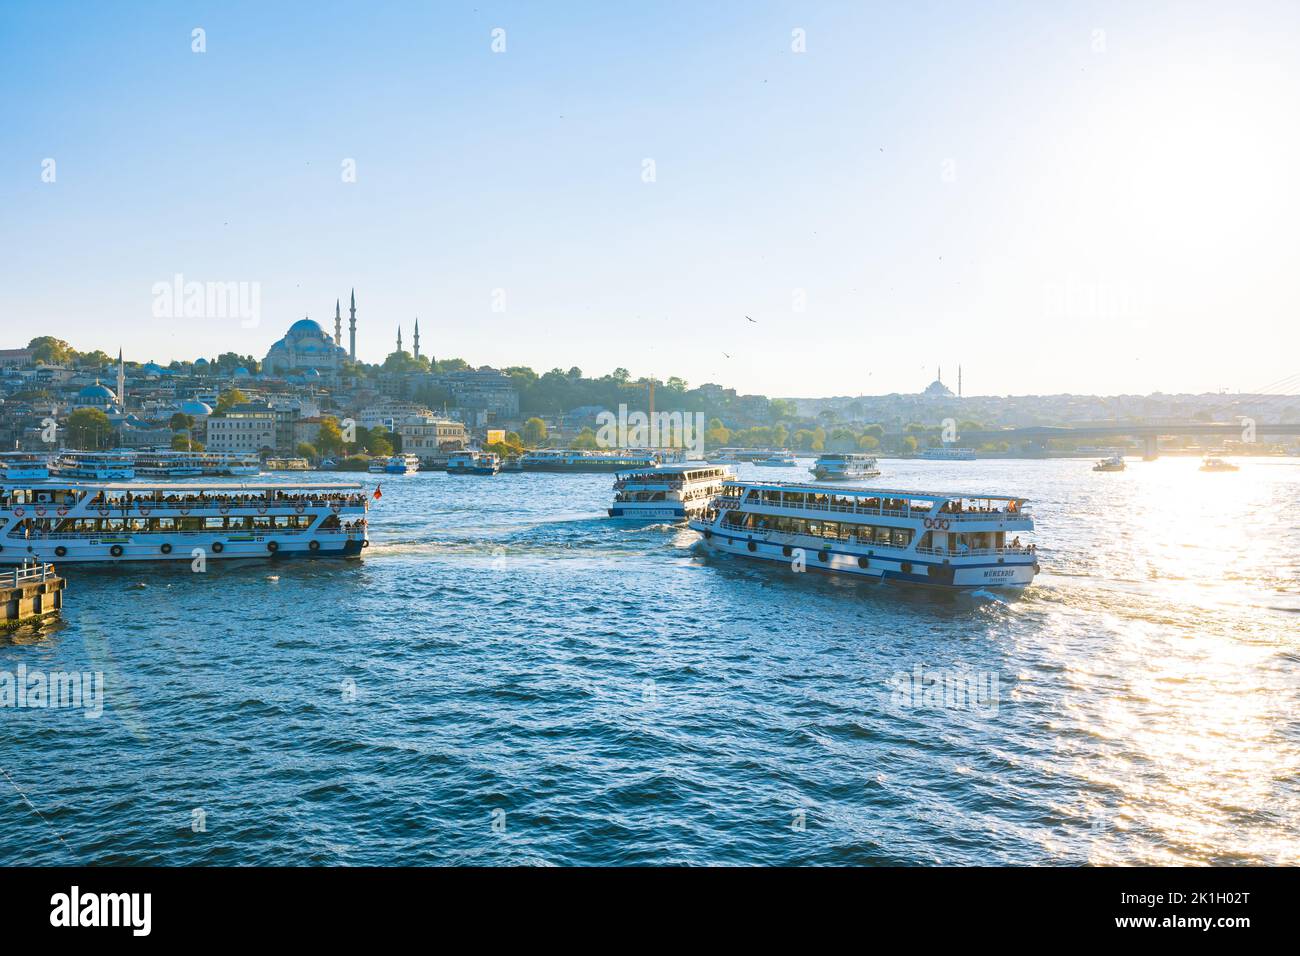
x,y
402,465
168,464
23,466
232,463
1113,463
473,463
586,460
116,465
778,459
948,540
80,522
836,467
668,492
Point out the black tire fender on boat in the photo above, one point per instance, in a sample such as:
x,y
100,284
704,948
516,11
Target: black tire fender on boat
x,y
60,551
273,546
707,534
314,545
115,550
166,548
823,556
787,550
906,567
752,546
365,543
864,562
218,547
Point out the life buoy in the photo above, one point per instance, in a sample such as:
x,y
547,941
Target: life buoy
x,y
144,511
166,548
218,547
261,509
336,507
60,551
115,550
103,512
928,523
61,510
944,524
224,509
19,511
40,511
299,507
185,511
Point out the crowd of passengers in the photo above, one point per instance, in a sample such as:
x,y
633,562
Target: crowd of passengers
x,y
883,504
202,499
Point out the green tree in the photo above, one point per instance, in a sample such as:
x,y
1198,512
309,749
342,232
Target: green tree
x,y
185,443
586,439
88,428
330,438
308,451
376,440
229,399
534,434
51,351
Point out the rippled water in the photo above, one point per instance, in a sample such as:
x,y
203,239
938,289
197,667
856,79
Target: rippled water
x,y
535,684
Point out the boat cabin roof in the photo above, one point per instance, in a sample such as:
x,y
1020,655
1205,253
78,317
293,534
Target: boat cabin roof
x,y
824,488
195,486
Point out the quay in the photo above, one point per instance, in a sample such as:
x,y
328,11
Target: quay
x,y
28,593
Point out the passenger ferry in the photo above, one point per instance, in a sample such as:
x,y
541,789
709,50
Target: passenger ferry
x,y
585,460
1113,463
288,464
473,463
168,464
1217,464
512,464
96,465
780,459
402,465
844,467
948,453
23,466
669,492
944,540
76,522
218,463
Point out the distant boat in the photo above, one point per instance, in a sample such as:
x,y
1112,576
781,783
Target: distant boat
x,y
780,459
473,463
24,466
402,465
668,492
845,467
1217,464
579,460
1113,463
946,453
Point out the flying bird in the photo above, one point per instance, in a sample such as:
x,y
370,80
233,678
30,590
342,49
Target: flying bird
x,y
728,356
755,321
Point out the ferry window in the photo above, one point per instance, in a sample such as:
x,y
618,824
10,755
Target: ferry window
x,y
902,537
214,524
882,536
814,527
138,524
166,524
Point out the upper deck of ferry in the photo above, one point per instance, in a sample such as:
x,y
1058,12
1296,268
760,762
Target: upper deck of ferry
x,y
189,494
897,503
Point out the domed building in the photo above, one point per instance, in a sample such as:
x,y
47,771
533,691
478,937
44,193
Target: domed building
x,y
305,347
96,396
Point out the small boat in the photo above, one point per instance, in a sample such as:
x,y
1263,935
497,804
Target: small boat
x,y
512,464
780,459
23,466
1217,464
287,464
668,492
949,540
473,463
1113,463
948,453
402,465
833,467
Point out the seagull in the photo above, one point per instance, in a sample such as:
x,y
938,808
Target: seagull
x,y
728,356
755,321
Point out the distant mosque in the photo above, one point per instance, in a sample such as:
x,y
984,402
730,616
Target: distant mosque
x,y
306,348
937,389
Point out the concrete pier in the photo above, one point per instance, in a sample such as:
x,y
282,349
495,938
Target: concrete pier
x,y
28,593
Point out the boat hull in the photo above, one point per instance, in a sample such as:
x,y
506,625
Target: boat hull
x,y
655,513
898,569
136,548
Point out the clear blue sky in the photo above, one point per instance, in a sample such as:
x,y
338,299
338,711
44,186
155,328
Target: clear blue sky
x,y
1061,197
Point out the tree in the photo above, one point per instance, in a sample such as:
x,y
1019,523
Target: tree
x,y
586,439
868,443
181,422
376,440
307,451
88,428
229,400
185,443
534,432
909,444
330,438
51,351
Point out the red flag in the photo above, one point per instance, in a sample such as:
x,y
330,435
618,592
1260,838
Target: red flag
x,y
378,494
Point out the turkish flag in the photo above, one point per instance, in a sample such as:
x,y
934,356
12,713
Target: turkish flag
x,y
378,493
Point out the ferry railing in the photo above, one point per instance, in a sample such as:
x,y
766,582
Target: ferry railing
x,y
914,513
170,532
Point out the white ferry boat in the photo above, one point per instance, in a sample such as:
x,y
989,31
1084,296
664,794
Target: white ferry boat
x,y
944,540
167,464
1113,463
948,453
1217,464
23,466
378,465
834,467
96,465
288,464
76,522
237,465
402,465
473,463
669,492
780,459
579,460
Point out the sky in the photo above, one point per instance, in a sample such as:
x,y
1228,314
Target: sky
x,y
1059,197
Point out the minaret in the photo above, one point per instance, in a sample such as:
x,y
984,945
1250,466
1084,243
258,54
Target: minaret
x,y
959,381
399,338
338,325
417,337
121,380
352,327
